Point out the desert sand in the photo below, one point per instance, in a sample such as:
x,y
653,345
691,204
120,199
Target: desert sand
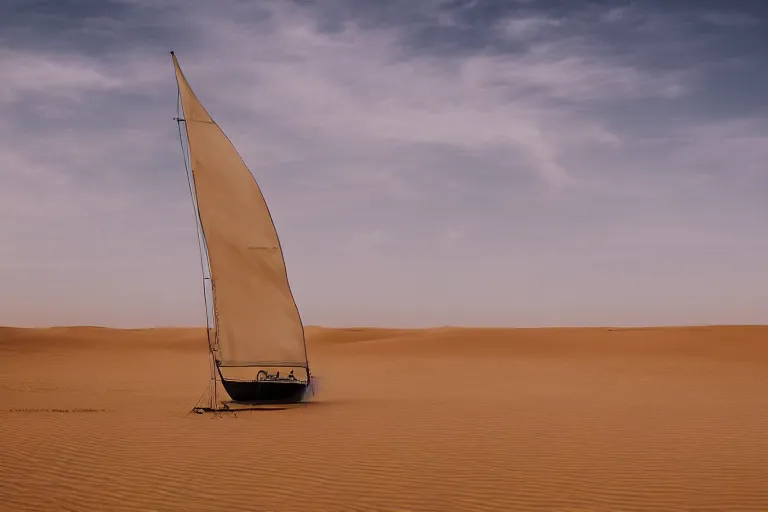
x,y
660,419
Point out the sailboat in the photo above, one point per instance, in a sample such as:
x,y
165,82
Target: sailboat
x,y
255,332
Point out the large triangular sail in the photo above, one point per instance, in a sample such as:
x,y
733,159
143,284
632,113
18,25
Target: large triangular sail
x,y
257,327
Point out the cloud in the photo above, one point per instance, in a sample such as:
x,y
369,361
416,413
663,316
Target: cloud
x,y
357,90
30,73
731,19
525,27
533,142
731,150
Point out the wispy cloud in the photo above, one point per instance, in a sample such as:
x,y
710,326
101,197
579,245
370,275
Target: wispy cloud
x,y
534,142
731,19
34,73
523,28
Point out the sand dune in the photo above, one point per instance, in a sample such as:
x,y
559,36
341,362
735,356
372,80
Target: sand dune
x,y
661,419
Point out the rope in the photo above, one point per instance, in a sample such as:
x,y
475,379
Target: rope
x,y
202,246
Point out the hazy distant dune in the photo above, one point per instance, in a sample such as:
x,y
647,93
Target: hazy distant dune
x,y
746,343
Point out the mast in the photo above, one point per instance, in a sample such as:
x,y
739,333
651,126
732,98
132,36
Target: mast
x,y
205,269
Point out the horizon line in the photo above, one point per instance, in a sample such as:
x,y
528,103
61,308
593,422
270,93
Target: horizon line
x,y
395,327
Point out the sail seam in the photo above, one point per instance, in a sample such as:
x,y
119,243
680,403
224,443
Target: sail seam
x,y
227,364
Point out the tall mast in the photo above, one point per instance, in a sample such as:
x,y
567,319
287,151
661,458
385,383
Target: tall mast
x,y
205,269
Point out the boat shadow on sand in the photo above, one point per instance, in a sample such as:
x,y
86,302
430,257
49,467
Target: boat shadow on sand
x,y
309,399
242,407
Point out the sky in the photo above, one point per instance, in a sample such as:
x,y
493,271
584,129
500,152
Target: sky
x,y
455,162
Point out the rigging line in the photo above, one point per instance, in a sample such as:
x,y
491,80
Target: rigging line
x,y
200,232
199,242
202,245
206,392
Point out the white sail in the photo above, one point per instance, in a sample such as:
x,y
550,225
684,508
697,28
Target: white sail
x,y
257,323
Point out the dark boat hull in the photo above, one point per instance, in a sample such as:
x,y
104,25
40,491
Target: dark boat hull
x,y
265,392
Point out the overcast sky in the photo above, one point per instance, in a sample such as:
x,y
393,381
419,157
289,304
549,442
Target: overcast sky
x,y
426,162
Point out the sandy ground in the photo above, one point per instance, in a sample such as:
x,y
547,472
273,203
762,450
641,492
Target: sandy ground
x,y
443,419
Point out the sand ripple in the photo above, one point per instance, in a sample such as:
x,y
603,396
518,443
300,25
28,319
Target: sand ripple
x,y
106,428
